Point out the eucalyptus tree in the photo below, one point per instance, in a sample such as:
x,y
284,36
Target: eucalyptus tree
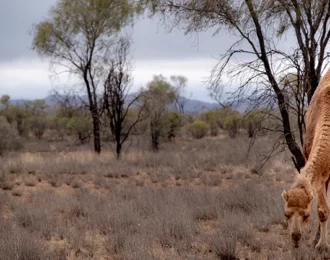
x,y
77,38
156,98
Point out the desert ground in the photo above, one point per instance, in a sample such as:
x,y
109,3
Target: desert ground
x,y
194,199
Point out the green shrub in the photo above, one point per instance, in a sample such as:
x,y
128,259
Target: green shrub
x,y
60,125
198,129
174,124
211,117
251,121
232,124
38,126
18,116
81,127
9,140
221,116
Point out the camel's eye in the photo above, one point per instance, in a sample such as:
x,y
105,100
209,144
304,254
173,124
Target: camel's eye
x,y
306,217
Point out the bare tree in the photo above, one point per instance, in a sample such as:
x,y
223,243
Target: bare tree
x,y
296,101
310,23
117,102
258,26
78,37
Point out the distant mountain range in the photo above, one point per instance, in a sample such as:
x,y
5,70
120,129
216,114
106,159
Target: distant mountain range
x,y
196,106
190,105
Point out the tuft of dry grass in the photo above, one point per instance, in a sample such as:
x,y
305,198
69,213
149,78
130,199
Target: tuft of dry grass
x,y
30,181
224,246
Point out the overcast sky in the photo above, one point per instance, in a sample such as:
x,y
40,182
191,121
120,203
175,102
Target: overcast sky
x,y
155,51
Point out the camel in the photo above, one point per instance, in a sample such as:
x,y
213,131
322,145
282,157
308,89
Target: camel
x,y
312,182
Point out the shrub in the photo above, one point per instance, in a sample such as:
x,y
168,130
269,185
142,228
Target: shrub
x,y
59,124
38,125
198,129
211,117
232,124
18,116
251,121
81,127
174,120
224,246
9,140
221,116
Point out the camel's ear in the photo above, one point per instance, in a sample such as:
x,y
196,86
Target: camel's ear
x,y
285,195
311,196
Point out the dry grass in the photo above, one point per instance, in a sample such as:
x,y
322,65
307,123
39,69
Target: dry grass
x,y
192,200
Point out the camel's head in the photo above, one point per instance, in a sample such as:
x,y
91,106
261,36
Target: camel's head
x,y
298,201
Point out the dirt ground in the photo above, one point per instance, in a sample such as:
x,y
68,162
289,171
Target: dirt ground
x,y
204,199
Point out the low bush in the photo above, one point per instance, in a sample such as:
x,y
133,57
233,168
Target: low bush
x,y
198,129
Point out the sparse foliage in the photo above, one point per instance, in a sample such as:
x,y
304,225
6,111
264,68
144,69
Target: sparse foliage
x,y
60,125
37,107
198,129
175,120
179,84
5,101
295,101
117,101
232,124
256,24
211,117
9,140
38,125
81,127
251,121
78,37
158,95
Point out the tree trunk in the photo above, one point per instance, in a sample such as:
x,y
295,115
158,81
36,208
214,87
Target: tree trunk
x,y
155,141
118,150
155,133
96,133
314,82
298,158
118,139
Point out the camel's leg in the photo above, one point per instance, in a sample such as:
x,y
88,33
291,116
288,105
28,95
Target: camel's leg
x,y
317,236
323,212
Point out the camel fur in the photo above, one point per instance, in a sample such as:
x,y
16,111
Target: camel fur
x,y
313,180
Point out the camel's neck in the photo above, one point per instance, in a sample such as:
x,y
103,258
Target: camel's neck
x,y
307,176
303,182
308,173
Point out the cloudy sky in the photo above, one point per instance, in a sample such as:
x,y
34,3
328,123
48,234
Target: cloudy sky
x,y
24,75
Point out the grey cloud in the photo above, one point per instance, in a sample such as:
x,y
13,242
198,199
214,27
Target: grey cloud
x,y
16,19
151,41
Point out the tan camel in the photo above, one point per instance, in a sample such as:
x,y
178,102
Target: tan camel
x,y
314,177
